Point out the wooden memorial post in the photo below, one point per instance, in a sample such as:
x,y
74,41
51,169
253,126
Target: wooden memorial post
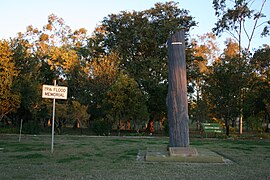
x,y
177,92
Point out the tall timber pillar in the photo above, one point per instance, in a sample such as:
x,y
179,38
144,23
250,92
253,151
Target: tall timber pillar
x,y
177,92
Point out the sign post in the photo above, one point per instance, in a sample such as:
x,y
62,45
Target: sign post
x,y
54,92
53,114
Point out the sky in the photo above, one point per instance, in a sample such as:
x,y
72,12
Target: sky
x,y
16,15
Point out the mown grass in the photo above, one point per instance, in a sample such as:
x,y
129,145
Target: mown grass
x,y
85,157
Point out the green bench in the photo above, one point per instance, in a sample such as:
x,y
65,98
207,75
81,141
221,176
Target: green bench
x,y
211,128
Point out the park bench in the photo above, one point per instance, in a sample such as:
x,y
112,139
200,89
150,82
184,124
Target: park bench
x,y
213,128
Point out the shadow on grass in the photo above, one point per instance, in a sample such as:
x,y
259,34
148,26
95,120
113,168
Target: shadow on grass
x,y
69,159
29,156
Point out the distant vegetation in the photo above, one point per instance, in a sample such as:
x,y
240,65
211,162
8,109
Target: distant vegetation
x,y
117,77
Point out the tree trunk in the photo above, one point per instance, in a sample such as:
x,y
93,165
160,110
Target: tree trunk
x,y
177,92
227,126
2,116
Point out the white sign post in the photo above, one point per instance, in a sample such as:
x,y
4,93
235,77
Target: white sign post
x,y
54,92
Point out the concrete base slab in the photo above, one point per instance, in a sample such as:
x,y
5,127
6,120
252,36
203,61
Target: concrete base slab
x,y
183,151
185,155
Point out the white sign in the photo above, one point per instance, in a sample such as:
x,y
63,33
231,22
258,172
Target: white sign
x,y
177,43
54,92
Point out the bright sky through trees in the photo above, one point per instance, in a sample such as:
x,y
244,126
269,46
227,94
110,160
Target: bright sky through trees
x,y
16,15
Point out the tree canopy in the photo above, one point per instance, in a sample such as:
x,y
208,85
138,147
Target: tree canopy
x,y
120,72
10,99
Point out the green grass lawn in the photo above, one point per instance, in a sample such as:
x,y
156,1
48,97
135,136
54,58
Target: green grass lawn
x,y
86,157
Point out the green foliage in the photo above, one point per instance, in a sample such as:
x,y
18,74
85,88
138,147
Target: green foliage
x,y
8,130
166,127
226,84
31,127
28,82
66,113
102,126
9,98
258,96
126,99
121,71
140,39
255,122
77,111
201,55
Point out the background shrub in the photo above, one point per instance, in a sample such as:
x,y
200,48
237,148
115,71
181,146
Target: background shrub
x,y
102,127
31,127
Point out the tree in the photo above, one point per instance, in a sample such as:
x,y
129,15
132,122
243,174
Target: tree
x,y
258,98
260,63
79,113
201,55
10,99
225,84
45,55
140,39
239,20
103,71
102,74
55,46
233,20
126,100
59,51
28,80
